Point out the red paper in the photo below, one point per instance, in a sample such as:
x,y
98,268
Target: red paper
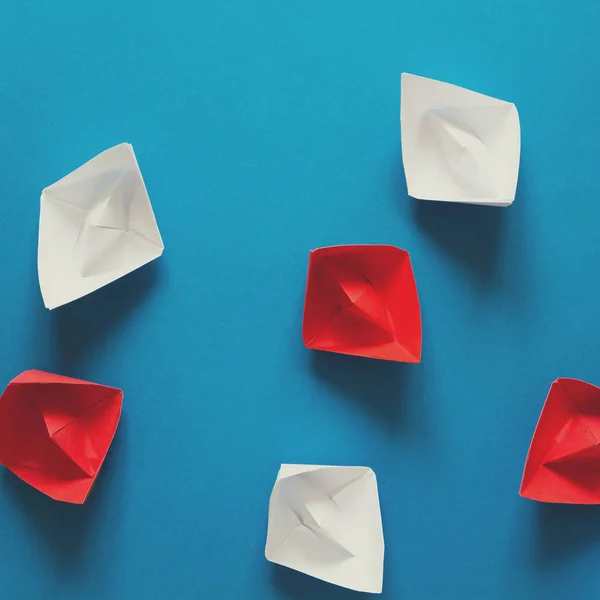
x,y
55,432
563,464
362,300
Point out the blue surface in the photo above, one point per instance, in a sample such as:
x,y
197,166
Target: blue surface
x,y
263,130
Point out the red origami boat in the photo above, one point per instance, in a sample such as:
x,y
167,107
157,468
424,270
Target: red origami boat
x,y
55,432
362,300
563,464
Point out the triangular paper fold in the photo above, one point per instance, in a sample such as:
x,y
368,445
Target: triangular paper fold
x,y
55,432
96,225
563,463
362,300
325,521
458,145
573,443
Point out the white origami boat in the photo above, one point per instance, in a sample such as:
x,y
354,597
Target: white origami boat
x,y
96,225
458,145
326,522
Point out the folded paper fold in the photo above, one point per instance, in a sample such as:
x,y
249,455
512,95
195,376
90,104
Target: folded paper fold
x,y
325,521
362,300
96,225
55,432
458,145
563,463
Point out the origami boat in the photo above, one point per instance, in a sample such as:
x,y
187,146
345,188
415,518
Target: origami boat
x,y
325,521
563,463
458,145
55,432
96,225
362,300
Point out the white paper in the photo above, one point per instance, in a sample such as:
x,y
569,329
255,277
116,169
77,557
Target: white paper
x,y
96,225
326,522
458,145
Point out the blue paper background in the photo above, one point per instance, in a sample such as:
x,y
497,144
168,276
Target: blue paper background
x,y
264,129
